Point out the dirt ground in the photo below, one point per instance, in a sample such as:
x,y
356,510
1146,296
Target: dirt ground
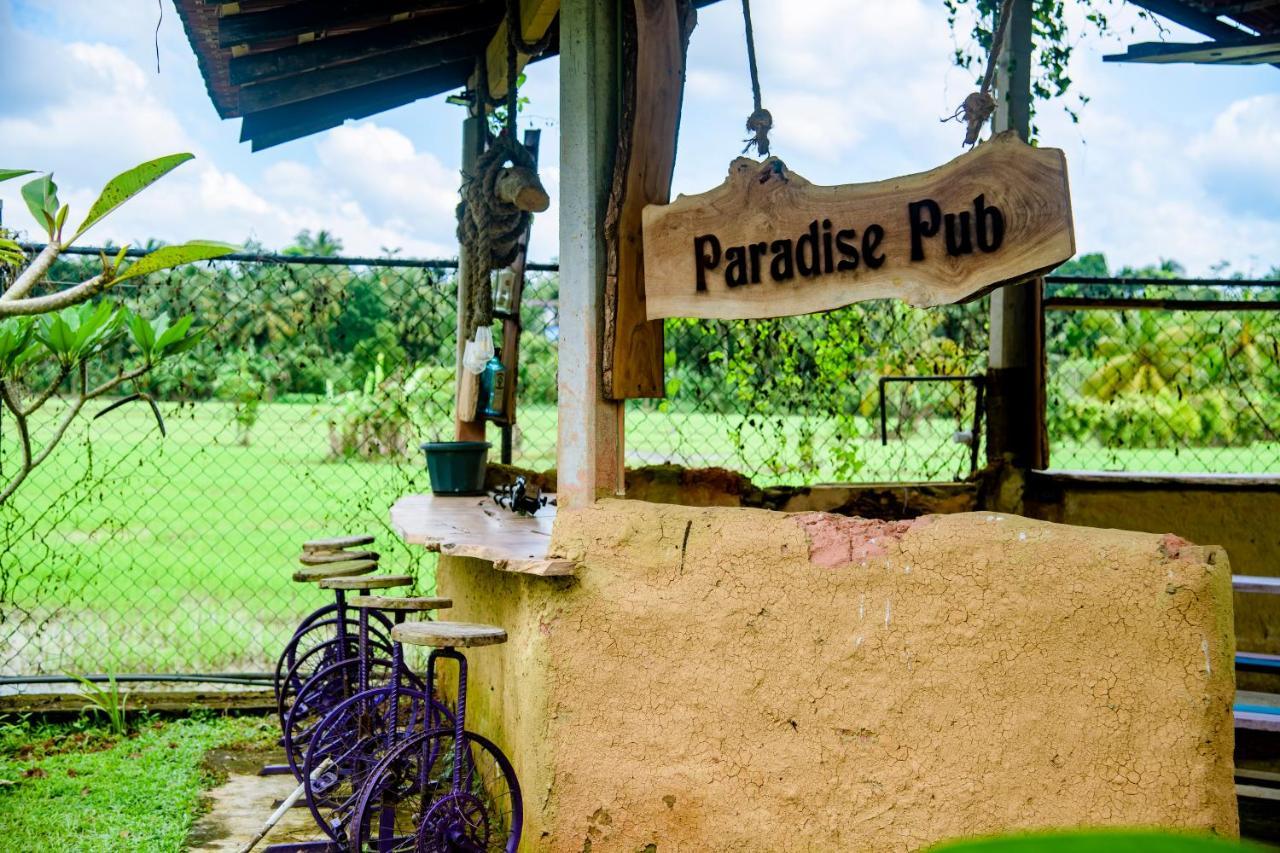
x,y
241,805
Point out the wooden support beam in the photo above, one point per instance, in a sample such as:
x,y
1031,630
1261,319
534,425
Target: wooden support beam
x,y
655,38
1251,51
401,35
536,17
282,124
473,135
590,428
1015,377
317,17
350,75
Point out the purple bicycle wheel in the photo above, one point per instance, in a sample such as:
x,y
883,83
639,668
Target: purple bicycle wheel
x,y
324,692
410,802
351,740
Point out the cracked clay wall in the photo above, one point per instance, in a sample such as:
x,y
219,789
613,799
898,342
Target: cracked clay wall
x,y
738,679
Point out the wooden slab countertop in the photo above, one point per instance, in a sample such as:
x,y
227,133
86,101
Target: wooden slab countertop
x,y
478,527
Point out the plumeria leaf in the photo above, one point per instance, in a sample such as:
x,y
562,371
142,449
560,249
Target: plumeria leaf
x,y
126,185
168,257
41,196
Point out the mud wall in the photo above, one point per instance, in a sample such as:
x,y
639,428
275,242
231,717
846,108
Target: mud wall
x,y
744,679
1238,514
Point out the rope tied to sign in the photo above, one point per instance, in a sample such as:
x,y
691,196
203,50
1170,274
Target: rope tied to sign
x,y
979,106
500,195
760,122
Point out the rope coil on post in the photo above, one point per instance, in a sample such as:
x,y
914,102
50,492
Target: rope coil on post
x,y
503,191
760,122
980,105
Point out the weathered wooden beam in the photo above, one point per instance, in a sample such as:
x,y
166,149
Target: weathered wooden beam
x,y
473,135
272,127
400,35
536,17
590,428
318,16
1252,51
350,75
655,39
1015,383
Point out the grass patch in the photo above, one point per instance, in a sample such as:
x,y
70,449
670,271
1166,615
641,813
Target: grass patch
x,y
78,788
126,552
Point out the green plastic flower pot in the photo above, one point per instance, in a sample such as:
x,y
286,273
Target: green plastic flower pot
x,y
457,467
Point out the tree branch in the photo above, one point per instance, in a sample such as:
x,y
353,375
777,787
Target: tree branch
x,y
24,435
34,273
82,292
116,381
63,371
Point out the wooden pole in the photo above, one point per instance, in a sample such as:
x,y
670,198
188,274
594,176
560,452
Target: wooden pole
x,y
473,130
590,427
1015,382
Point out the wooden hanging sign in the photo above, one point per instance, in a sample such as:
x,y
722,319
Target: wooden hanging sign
x,y
767,243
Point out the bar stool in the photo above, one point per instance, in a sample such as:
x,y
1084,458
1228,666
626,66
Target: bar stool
x,y
447,788
358,732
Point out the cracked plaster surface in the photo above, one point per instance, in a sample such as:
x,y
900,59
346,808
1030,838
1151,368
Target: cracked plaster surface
x,y
733,679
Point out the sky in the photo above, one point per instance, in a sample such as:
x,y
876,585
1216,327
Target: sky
x,y
1178,162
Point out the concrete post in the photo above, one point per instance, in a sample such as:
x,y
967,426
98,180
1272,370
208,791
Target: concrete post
x,y
590,427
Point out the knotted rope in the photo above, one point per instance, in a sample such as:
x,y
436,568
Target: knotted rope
x,y
979,105
488,226
760,122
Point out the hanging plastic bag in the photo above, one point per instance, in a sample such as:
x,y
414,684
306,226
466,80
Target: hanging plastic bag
x,y
475,356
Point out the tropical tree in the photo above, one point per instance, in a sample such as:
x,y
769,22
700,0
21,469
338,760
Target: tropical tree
x,y
51,334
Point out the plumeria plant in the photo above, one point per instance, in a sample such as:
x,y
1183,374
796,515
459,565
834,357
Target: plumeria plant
x,y
51,333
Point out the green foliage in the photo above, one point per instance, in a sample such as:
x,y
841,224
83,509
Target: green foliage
x,y
168,257
1090,841
80,789
109,701
383,417
126,185
41,197
245,380
1053,43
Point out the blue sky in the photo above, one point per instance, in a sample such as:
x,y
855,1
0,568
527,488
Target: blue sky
x,y
1175,162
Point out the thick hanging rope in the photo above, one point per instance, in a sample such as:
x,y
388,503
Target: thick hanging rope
x,y
503,191
760,122
979,106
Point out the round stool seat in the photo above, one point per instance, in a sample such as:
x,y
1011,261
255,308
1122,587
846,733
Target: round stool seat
x,y
444,635
347,568
367,582
320,558
337,543
403,603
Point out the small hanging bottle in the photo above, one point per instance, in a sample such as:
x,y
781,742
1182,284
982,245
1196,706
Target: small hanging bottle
x,y
493,387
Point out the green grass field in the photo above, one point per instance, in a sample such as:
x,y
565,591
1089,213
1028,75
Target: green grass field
x,y
127,552
78,788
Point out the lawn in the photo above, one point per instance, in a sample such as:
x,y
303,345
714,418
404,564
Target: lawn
x,y
128,552
78,788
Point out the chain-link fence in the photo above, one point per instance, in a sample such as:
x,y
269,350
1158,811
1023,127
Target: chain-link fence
x,y
1163,376
300,412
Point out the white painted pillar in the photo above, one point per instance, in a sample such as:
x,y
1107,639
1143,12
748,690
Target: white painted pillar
x,y
590,427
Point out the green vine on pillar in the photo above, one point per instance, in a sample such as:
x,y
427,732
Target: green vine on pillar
x,y
1052,43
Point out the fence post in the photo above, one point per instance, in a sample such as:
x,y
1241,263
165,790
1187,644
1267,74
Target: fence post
x,y
1015,379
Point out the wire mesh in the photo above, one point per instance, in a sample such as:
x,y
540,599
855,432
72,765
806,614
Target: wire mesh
x,y
1167,377
300,413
